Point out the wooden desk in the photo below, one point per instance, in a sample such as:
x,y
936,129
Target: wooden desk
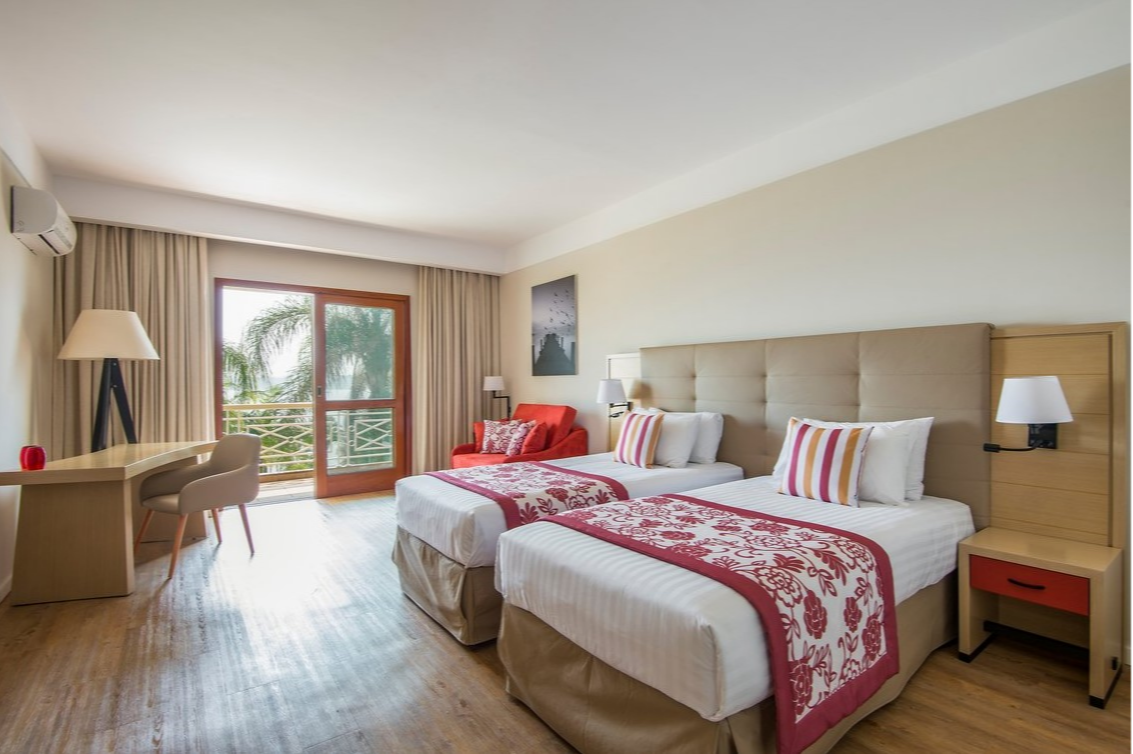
x,y
74,538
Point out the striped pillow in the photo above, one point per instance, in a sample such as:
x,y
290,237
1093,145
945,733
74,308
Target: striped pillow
x,y
638,439
824,463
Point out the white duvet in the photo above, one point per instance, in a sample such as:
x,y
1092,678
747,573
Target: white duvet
x,y
465,526
687,635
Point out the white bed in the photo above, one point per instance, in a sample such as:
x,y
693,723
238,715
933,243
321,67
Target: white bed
x,y
684,634
464,526
447,535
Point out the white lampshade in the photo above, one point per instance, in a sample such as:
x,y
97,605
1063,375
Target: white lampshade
x,y
494,382
1033,400
611,391
107,334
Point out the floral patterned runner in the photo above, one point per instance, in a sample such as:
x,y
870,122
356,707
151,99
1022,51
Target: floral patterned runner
x,y
530,490
824,596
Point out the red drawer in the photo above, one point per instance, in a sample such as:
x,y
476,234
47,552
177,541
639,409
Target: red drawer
x,y
1051,588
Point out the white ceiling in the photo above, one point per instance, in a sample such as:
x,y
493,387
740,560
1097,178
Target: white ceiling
x,y
491,121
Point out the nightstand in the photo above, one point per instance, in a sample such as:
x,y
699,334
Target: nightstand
x,y
1062,574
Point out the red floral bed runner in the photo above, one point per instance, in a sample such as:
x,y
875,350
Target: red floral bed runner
x,y
824,596
530,490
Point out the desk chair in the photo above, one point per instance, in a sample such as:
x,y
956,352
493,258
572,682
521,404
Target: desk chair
x,y
229,477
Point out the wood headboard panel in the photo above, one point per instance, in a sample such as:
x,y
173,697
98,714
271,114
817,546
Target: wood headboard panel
x,y
879,375
1081,490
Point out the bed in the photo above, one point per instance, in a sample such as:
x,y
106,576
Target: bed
x,y
619,652
446,537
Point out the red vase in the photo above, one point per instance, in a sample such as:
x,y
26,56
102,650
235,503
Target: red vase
x,y
32,458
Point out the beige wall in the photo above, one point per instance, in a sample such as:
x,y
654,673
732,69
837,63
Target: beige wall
x,y
1016,215
275,265
25,362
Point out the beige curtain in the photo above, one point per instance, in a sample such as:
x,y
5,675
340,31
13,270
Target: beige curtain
x,y
164,278
457,344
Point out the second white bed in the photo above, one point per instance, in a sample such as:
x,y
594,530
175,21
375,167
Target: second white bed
x,y
684,634
465,526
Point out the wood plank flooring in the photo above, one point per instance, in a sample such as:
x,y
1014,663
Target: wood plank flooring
x,y
310,647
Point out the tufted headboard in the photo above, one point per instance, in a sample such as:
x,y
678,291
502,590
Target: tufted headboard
x,y
880,375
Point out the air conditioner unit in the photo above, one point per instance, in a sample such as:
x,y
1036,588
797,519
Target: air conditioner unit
x,y
40,223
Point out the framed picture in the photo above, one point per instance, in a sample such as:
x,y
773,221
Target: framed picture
x,y
554,328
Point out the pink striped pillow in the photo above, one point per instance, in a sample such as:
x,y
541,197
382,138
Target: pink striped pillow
x,y
824,463
638,440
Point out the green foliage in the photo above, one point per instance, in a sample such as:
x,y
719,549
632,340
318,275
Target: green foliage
x,y
359,353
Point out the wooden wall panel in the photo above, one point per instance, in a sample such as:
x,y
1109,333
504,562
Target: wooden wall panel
x,y
1080,490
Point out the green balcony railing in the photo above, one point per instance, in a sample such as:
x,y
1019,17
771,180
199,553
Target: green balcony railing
x,y
355,438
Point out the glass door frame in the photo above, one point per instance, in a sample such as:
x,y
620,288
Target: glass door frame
x,y
326,483
403,443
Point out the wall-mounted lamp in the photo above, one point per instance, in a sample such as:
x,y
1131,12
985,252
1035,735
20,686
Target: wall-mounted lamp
x,y
612,392
495,384
1037,402
110,335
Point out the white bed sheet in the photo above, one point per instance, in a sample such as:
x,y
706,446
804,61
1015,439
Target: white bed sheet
x,y
687,635
465,526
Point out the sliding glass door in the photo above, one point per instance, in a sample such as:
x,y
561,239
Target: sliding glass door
x,y
361,393
322,376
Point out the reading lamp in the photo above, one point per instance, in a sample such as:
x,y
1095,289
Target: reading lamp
x,y
1037,402
110,335
613,393
495,384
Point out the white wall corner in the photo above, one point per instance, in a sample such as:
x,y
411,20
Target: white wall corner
x,y
21,150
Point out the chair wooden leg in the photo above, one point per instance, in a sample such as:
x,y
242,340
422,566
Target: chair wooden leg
x,y
181,521
216,525
247,529
142,530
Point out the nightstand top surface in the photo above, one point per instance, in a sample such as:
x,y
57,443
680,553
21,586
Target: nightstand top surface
x,y
1040,550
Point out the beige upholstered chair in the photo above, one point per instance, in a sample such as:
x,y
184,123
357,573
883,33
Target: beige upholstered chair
x,y
229,477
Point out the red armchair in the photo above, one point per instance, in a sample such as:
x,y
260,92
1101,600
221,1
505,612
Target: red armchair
x,y
563,439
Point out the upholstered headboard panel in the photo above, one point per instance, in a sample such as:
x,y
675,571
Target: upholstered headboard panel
x,y
881,375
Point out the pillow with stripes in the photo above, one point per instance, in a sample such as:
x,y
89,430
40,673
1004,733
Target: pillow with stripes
x,y
638,440
823,463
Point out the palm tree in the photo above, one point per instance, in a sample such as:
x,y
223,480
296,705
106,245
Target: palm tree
x,y
275,330
359,350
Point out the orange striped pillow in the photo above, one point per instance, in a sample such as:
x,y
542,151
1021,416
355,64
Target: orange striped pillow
x,y
824,463
638,439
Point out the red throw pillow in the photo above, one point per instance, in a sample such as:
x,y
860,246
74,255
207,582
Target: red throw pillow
x,y
505,436
536,439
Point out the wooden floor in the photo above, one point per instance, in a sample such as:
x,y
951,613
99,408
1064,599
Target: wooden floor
x,y
310,647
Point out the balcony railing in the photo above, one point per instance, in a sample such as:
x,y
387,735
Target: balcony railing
x,y
358,437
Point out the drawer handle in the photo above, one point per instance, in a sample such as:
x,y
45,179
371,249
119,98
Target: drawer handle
x,y
1025,585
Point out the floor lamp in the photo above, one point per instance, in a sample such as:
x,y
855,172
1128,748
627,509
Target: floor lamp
x,y
495,384
110,335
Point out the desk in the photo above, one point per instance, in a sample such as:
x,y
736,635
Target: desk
x,y
74,538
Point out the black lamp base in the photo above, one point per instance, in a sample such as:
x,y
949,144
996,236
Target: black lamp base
x,y
111,384
496,396
1038,436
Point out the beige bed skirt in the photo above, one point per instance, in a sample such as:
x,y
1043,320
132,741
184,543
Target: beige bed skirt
x,y
464,600
600,710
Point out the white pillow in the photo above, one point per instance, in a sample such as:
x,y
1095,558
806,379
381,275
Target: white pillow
x,y
708,436
885,470
678,435
710,430
914,473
